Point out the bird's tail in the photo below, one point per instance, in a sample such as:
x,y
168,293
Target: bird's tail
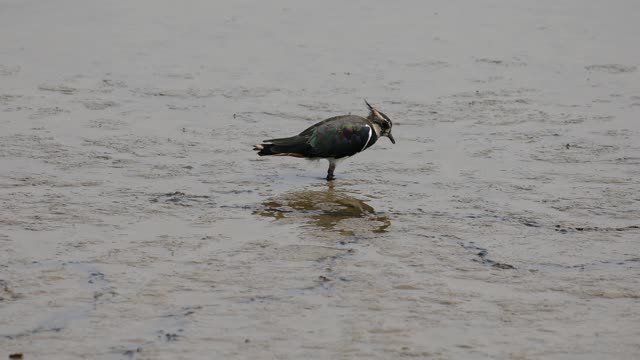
x,y
294,146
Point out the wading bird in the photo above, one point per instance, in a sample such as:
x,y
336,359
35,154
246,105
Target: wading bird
x,y
333,139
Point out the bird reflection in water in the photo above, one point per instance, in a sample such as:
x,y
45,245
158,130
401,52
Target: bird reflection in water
x,y
327,208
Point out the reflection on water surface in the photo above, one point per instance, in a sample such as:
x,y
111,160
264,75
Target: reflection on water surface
x,y
327,208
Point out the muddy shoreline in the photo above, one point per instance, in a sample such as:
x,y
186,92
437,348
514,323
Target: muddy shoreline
x,y
136,222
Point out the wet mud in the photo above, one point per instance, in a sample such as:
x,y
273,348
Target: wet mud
x,y
136,222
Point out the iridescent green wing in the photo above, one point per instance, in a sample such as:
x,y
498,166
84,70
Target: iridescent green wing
x,y
340,136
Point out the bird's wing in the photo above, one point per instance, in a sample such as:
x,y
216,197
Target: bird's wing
x,y
293,140
340,136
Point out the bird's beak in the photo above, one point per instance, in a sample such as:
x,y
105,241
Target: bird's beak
x,y
393,141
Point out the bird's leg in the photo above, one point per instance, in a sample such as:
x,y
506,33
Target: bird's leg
x,y
332,166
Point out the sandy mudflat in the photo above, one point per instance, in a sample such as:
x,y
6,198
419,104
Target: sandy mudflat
x,y
136,222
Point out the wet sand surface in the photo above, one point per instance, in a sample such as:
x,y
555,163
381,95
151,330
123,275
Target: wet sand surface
x,y
136,222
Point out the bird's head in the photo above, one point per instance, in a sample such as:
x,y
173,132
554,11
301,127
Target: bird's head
x,y
381,120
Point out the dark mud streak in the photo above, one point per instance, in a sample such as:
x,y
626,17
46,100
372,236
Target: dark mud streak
x,y
35,331
181,199
568,228
483,256
612,68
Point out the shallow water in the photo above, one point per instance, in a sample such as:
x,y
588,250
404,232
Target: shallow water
x,y
136,222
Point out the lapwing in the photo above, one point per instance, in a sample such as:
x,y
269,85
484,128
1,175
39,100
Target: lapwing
x,y
333,139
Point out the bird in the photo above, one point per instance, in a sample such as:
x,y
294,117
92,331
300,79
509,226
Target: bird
x,y
334,139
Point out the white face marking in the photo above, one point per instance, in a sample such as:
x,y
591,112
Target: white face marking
x,y
369,138
377,129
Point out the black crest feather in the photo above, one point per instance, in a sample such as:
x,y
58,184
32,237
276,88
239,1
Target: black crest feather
x,y
369,105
